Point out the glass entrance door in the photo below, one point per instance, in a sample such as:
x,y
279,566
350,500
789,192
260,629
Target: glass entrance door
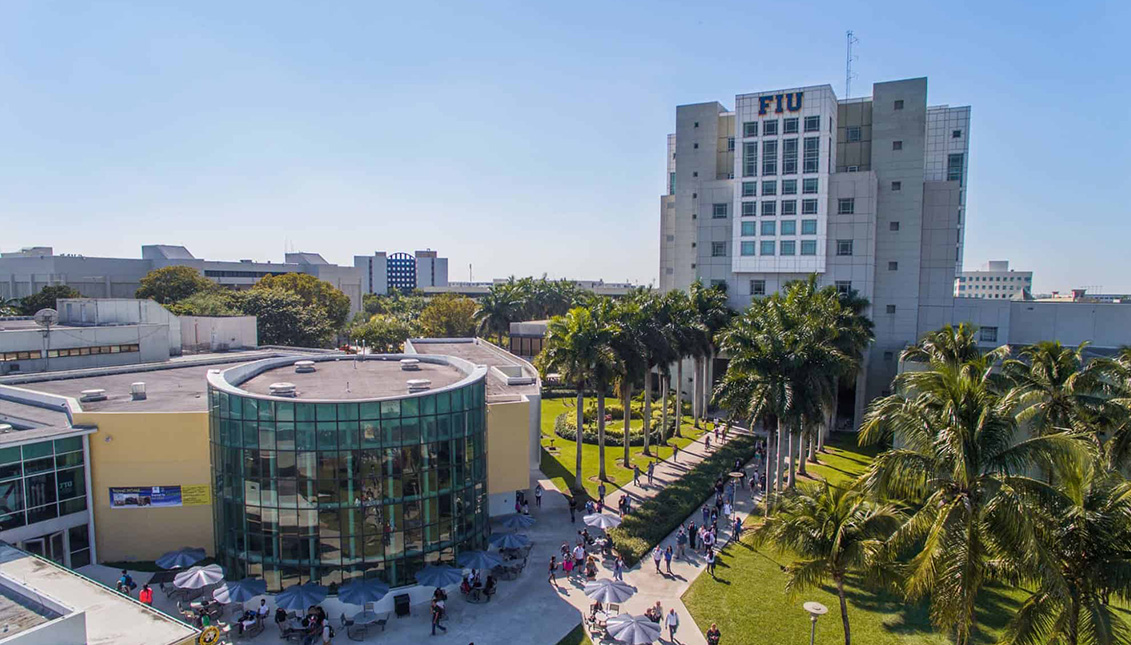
x,y
50,546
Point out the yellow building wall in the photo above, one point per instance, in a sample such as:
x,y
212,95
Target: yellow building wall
x,y
508,447
148,449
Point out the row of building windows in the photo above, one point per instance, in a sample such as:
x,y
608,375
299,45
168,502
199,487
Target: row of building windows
x,y
788,208
41,481
809,186
74,351
810,159
758,287
768,247
788,227
997,278
788,126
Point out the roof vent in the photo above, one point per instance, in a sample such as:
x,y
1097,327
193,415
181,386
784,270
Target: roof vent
x,y
419,385
97,394
410,365
5,428
137,391
303,367
282,389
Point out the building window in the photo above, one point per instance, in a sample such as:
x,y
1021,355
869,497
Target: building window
x,y
954,167
769,188
749,209
844,247
889,356
898,104
808,247
788,247
718,249
748,188
53,484
808,207
748,230
769,227
843,287
809,186
769,209
719,211
788,227
890,309
789,186
812,154
812,124
853,133
747,248
750,129
671,183
767,247
789,207
893,226
956,134
769,157
896,186
987,334
893,266
749,159
789,157
846,206
770,128
757,287
695,173
697,124
808,227
897,145
696,146
730,144
789,126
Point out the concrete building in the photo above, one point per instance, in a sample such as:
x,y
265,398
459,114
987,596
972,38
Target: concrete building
x,y
383,272
476,289
994,281
27,271
868,193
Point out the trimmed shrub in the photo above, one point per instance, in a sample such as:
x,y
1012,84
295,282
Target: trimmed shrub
x,y
650,522
565,427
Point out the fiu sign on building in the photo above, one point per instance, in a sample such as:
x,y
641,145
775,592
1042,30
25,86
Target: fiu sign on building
x,y
780,103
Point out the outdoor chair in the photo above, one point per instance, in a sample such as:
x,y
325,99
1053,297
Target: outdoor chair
x,y
612,609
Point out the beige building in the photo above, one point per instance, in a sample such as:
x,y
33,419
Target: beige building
x,y
994,281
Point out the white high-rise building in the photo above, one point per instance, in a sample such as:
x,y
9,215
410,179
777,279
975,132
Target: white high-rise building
x,y
868,193
994,281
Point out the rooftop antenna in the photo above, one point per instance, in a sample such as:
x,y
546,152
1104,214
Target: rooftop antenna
x,y
45,318
848,75
469,274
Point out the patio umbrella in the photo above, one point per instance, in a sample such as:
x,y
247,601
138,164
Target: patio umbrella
x,y
185,556
299,597
634,630
509,540
360,592
198,577
516,521
240,590
479,560
438,575
602,521
605,590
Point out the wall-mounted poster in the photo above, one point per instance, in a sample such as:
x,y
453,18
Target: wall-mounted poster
x,y
145,496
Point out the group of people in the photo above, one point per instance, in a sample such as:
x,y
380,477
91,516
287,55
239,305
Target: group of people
x,y
314,625
670,620
474,580
574,561
636,472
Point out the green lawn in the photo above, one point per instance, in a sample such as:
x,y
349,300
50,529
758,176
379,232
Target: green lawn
x,y
559,464
843,460
576,637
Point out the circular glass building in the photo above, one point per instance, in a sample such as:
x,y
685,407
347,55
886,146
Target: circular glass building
x,y
343,468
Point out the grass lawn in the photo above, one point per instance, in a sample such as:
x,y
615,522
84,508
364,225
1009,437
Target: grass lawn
x,y
576,637
559,465
843,460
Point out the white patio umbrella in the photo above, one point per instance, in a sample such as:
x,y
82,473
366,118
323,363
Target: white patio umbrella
x,y
634,630
605,590
198,577
360,592
185,556
299,597
602,521
240,590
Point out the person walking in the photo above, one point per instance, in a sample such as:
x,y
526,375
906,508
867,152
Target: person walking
x,y
618,569
711,561
579,557
572,509
713,635
636,474
553,570
692,533
668,557
651,471
706,515
438,612
538,495
675,453
736,531
672,621
707,441
657,555
145,596
681,542
601,492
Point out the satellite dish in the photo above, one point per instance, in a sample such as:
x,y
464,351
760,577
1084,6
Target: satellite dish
x,y
46,317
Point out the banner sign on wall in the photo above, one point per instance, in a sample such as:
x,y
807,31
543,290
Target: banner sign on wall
x,y
196,495
145,496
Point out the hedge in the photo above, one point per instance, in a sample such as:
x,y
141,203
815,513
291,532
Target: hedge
x,y
650,522
566,427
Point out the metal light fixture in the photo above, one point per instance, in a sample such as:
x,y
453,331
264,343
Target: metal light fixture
x,y
816,610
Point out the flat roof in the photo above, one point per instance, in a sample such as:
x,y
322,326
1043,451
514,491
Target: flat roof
x,y
347,379
481,352
19,614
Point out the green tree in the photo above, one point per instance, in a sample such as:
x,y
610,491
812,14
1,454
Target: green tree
x,y
46,298
173,283
710,308
834,532
448,316
282,318
627,344
496,311
333,304
213,302
396,303
1114,375
854,333
384,333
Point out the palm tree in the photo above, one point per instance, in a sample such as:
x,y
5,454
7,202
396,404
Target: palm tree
x,y
834,532
604,371
963,466
657,352
577,348
687,338
497,309
709,305
627,344
1114,378
854,334
1056,391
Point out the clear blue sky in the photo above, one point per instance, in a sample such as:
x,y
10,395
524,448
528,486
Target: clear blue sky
x,y
523,137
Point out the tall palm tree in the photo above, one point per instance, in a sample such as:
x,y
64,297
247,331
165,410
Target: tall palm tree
x,y
834,532
961,462
657,352
687,336
1056,391
496,310
1114,378
577,348
604,371
709,305
627,344
854,335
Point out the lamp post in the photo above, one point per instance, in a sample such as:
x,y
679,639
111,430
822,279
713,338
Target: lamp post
x,y
815,610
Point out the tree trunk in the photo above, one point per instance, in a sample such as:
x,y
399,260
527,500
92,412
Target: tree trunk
x,y
601,433
708,384
832,416
769,450
812,443
647,409
678,396
843,610
627,422
577,483
777,459
792,461
665,382
696,399
802,444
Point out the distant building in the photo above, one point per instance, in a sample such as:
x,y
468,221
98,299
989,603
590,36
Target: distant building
x,y
1082,295
476,289
994,281
383,272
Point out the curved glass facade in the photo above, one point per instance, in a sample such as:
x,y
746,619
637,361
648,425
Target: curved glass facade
x,y
330,491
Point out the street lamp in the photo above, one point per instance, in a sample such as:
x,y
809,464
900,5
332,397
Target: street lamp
x,y
815,610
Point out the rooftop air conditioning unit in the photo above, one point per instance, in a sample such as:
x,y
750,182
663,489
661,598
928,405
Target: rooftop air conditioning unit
x,y
419,385
410,364
97,394
282,389
5,428
303,367
137,391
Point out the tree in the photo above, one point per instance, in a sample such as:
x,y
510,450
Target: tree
x,y
282,318
496,311
384,333
709,306
604,373
1114,376
834,532
627,345
172,283
213,302
577,347
46,298
333,304
1056,391
963,465
448,316
396,303
854,332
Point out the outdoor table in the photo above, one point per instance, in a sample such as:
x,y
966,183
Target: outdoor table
x,y
366,617
476,595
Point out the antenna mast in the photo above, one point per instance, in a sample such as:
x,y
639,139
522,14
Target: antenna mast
x,y
850,40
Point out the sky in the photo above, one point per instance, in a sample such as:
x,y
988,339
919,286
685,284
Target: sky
x,y
521,138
